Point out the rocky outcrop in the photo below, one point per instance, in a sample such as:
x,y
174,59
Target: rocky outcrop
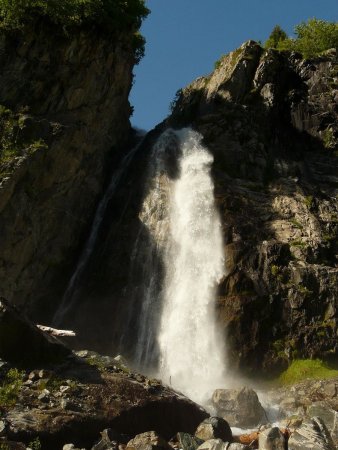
x,y
270,120
23,344
275,186
76,399
66,115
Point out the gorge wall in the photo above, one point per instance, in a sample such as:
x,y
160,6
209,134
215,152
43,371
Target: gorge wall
x,y
268,118
270,121
64,125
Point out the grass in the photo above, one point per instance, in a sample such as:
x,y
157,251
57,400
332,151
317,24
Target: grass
x,y
9,391
301,369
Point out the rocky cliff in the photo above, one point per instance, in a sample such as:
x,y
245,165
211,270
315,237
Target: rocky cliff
x,y
64,122
270,119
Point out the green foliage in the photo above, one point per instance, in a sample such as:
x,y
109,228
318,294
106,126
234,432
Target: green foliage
x,y
175,101
274,270
296,223
12,144
10,388
300,369
312,38
109,14
35,444
276,37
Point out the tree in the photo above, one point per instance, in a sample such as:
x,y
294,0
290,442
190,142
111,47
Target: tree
x,y
312,38
277,35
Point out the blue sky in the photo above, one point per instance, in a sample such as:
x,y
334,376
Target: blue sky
x,y
185,38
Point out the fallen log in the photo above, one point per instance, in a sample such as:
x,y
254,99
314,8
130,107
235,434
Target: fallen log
x,y
56,332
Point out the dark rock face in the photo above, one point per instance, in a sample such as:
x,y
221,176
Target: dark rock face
x,y
274,142
23,344
71,91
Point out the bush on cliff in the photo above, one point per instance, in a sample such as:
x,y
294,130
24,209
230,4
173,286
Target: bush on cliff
x,y
109,15
312,38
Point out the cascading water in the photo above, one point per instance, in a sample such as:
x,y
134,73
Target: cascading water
x,y
180,214
69,297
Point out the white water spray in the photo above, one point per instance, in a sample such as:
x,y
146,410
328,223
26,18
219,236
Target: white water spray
x,y
188,235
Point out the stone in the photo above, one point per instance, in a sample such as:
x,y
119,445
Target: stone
x,y
214,428
108,440
271,439
188,442
240,407
237,446
68,447
2,427
328,416
311,435
212,444
150,440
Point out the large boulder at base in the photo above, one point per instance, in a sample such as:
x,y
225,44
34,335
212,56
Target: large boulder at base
x,y
84,399
240,407
150,440
22,343
214,428
311,435
271,439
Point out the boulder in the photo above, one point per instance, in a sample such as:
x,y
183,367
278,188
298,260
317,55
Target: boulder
x,y
212,444
240,407
23,344
149,440
107,442
311,435
214,428
271,439
328,416
237,446
188,442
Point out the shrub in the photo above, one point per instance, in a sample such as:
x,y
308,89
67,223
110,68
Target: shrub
x,y
108,13
10,388
277,35
312,38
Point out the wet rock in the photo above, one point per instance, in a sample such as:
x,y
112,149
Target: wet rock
x,y
188,442
149,440
272,439
214,428
311,435
108,441
212,444
328,416
240,407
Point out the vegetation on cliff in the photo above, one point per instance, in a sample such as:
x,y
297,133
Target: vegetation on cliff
x,y
109,15
312,38
301,369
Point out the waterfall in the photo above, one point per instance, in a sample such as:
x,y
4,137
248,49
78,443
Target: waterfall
x,y
181,216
